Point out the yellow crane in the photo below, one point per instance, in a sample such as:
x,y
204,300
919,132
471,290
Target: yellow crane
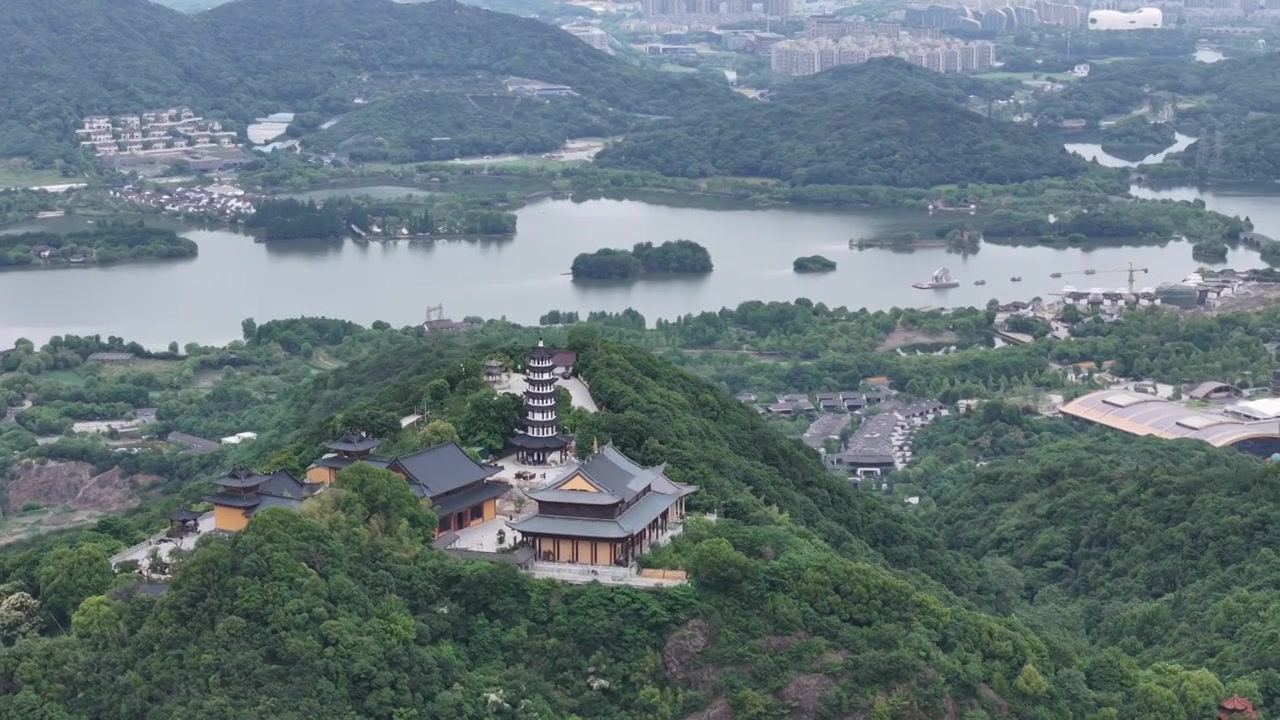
x,y
1131,270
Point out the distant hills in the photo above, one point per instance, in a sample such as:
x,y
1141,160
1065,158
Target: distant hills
x,y
884,122
402,76
76,57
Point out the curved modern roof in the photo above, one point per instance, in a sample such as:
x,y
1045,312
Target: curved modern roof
x,y
1208,387
1140,414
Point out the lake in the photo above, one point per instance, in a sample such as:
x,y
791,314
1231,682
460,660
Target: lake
x,y
1093,151
205,299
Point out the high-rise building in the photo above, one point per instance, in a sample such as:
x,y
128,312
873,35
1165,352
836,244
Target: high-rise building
x,y
825,26
779,8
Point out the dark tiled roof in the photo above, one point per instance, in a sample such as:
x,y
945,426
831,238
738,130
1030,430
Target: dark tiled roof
x,y
242,478
540,352
278,488
440,469
353,442
530,442
197,444
234,500
183,514
267,501
619,479
629,523
470,496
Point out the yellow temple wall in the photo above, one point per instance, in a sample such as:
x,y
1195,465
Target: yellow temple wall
x,y
577,482
229,518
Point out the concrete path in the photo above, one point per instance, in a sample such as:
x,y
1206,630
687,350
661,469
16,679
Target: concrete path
x,y
578,392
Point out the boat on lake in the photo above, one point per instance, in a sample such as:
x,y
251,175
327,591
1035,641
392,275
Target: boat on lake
x,y
979,282
940,281
1016,278
1055,275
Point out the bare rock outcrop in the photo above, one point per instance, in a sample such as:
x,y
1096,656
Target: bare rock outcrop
x,y
680,655
73,484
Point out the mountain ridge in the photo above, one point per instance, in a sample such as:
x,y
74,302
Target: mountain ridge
x,y
883,122
253,56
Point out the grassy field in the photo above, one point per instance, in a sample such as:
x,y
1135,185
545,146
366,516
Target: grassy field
x,y
15,173
64,376
158,367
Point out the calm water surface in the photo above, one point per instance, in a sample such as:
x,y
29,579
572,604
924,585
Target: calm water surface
x,y
205,299
1093,151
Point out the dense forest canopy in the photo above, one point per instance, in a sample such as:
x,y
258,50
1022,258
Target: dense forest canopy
x,y
107,243
808,597
884,122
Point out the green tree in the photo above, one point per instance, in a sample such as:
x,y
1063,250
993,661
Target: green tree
x,y
99,621
435,433
382,501
20,617
489,419
68,575
716,564
1030,682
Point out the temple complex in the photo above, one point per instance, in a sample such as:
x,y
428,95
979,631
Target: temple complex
x,y
604,511
539,440
457,486
244,491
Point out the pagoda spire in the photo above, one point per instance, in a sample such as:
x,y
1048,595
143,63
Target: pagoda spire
x,y
539,438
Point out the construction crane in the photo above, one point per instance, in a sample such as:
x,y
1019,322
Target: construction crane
x,y
1131,270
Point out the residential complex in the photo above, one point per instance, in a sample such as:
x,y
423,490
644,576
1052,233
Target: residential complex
x,y
669,8
1000,18
593,36
155,131
806,57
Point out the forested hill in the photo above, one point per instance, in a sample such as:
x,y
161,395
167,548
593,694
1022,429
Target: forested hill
x,y
809,600
880,123
72,57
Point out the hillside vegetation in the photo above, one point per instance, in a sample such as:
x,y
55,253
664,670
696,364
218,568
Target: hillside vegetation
x,y
1137,547
448,125
809,599
73,57
880,123
1075,573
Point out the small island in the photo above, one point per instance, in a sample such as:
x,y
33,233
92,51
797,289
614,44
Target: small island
x,y
1134,140
952,237
676,257
289,219
813,264
112,243
1210,250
